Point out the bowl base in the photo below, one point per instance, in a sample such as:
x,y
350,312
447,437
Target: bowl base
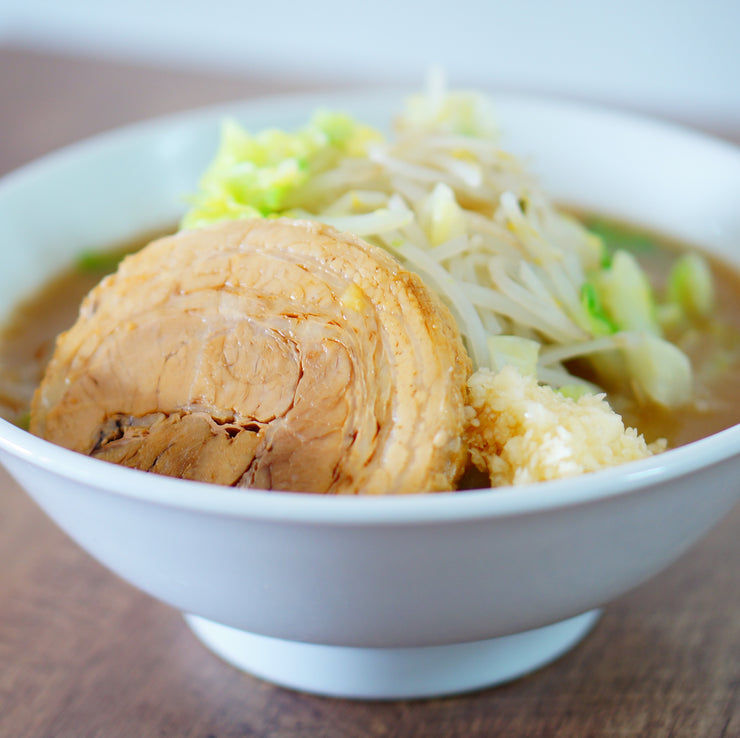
x,y
392,673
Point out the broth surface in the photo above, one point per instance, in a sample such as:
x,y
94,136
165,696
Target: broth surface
x,y
27,340
713,346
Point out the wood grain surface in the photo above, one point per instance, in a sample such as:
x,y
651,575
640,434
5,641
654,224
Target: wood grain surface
x,y
84,655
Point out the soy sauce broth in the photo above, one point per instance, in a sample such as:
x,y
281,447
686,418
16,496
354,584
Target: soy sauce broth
x,y
27,340
713,346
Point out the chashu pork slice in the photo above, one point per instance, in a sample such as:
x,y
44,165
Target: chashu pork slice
x,y
273,354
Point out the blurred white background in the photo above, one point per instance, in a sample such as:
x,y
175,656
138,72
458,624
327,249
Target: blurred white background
x,y
677,58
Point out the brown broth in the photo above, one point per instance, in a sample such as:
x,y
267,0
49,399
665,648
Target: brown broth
x,y
27,339
26,343
713,346
714,351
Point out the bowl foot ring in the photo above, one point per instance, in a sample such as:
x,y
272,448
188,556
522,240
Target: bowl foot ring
x,y
392,673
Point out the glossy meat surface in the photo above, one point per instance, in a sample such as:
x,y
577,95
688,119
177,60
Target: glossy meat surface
x,y
271,353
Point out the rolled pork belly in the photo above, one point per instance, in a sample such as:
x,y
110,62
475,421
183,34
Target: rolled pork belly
x,y
272,354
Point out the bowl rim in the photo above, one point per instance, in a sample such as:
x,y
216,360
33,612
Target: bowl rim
x,y
362,510
287,103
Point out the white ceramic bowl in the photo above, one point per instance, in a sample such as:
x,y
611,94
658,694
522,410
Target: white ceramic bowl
x,y
396,597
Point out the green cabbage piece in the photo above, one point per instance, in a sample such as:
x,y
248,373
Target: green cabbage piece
x,y
442,218
464,113
620,299
521,353
625,293
691,287
598,322
98,262
660,370
574,391
262,174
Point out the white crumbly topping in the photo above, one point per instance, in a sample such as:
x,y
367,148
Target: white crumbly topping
x,y
523,432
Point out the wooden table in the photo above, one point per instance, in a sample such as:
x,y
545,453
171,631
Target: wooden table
x,y
83,654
